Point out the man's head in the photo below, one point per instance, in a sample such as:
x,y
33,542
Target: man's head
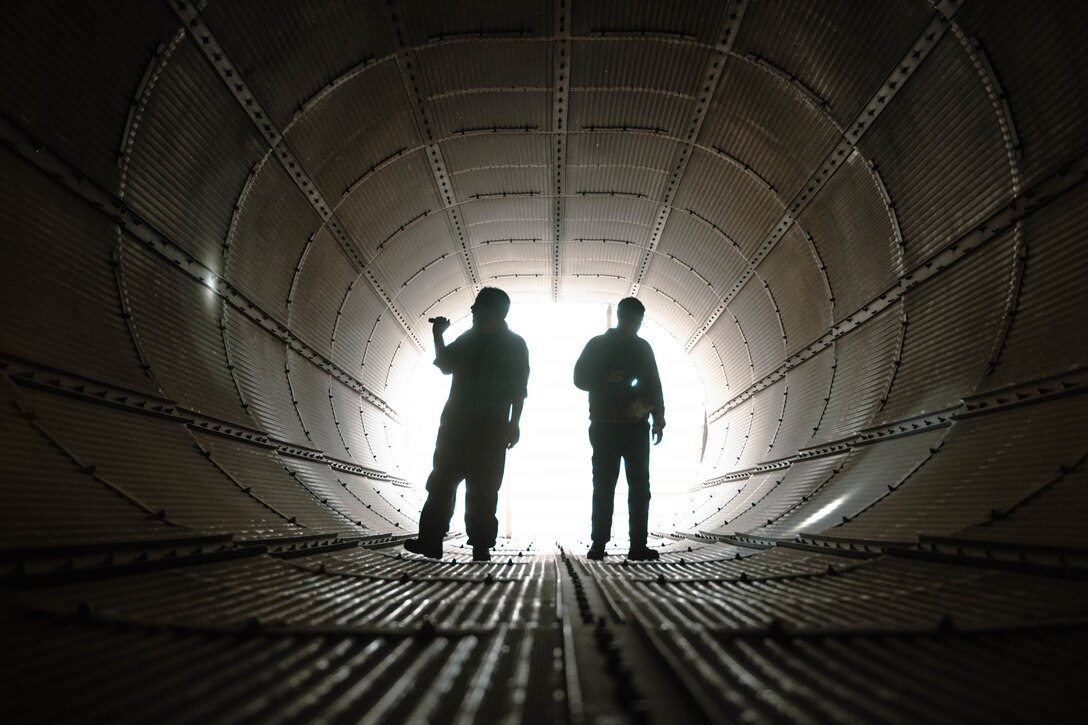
x,y
490,308
629,314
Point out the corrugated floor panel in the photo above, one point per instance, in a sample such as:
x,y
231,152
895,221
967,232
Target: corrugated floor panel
x,y
864,364
839,49
864,478
1052,297
310,386
45,498
157,461
794,487
985,463
260,363
261,469
83,116
943,178
852,231
953,323
1053,516
319,292
186,182
60,298
177,322
273,225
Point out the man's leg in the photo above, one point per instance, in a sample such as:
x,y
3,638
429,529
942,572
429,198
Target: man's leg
x,y
482,492
606,470
636,461
434,519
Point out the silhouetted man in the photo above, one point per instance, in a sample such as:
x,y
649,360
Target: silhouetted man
x,y
620,373
490,367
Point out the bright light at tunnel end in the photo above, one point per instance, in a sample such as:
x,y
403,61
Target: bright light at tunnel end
x,y
547,488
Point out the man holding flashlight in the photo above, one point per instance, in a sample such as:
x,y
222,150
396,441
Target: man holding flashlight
x,y
619,371
490,368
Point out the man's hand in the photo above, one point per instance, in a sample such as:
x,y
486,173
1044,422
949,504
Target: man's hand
x,y
441,324
513,434
658,432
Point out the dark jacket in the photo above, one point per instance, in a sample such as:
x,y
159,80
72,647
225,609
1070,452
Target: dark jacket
x,y
489,372
637,395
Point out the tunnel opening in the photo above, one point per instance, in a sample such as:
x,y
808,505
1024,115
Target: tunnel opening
x,y
547,488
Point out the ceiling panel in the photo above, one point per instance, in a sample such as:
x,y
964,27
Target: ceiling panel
x,y
614,259
799,289
600,217
491,109
643,63
691,243
621,109
520,217
483,63
427,20
411,250
694,19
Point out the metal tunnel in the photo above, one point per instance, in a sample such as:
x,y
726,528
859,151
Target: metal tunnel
x,y
226,222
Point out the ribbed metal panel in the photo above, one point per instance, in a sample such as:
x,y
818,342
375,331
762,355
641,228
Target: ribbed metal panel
x,y
799,289
310,386
383,339
177,322
273,224
533,289
613,218
383,516
625,179
689,291
705,356
340,138
319,291
616,260
770,404
644,63
46,498
494,63
1053,517
297,50
864,364
323,483
191,156
717,434
376,426
1038,57
493,178
794,485
261,469
760,324
669,312
841,50
357,316
157,461
388,199
952,323
807,387
619,110
512,218
430,22
748,495
260,362
60,301
694,245
487,108
588,151
985,464
504,258
738,422
725,336
695,20
439,279
594,288
943,178
83,115
768,125
864,477
349,422
488,152
852,231
733,200
1052,297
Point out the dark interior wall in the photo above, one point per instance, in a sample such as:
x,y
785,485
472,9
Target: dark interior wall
x,y
861,220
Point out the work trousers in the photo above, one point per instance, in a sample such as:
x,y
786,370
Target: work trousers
x,y
473,452
612,442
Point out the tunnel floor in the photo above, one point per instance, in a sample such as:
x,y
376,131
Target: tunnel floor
x,y
328,630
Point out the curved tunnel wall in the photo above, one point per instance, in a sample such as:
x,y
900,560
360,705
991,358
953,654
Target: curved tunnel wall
x,y
226,227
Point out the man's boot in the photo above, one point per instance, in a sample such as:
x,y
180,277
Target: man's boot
x,y
642,553
596,552
424,548
481,553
